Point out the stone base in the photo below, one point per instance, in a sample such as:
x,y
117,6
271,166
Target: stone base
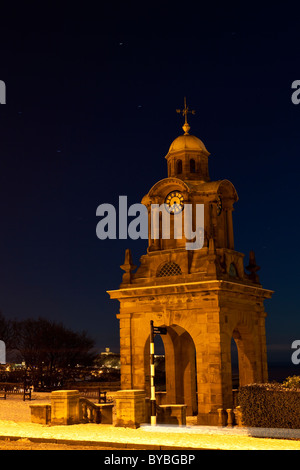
x,y
130,409
40,414
65,407
208,419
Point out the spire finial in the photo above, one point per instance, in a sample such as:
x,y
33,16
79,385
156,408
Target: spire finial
x,y
185,112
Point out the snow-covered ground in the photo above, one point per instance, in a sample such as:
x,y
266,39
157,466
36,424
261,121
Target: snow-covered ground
x,y
15,421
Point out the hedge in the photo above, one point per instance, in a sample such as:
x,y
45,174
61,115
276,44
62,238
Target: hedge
x,y
269,406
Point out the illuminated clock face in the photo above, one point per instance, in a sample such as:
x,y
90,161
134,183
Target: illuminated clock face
x,y
174,202
219,206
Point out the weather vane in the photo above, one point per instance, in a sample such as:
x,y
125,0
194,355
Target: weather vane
x,y
184,113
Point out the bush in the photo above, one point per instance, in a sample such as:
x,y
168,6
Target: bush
x,y
270,406
292,383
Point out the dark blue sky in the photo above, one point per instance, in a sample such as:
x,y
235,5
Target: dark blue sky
x,y
90,115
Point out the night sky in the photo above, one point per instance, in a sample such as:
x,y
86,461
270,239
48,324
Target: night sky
x,y
90,115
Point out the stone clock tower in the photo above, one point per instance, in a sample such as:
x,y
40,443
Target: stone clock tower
x,y
203,297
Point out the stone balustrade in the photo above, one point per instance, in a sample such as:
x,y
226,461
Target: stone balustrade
x,y
67,407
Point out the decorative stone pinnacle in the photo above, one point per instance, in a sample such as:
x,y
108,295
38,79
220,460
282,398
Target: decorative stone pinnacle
x,y
252,267
128,265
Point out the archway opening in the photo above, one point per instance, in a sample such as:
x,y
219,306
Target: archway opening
x,y
234,365
179,368
159,364
247,365
180,363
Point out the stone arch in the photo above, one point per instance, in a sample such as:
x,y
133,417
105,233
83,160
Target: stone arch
x,y
244,337
163,186
226,189
180,366
232,270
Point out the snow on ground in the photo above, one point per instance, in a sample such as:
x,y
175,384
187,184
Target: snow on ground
x,y
15,409
15,421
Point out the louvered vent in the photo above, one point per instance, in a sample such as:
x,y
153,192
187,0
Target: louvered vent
x,y
169,269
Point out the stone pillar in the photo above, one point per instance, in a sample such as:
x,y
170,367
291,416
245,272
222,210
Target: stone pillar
x,y
263,346
229,223
125,350
65,407
189,375
155,222
230,417
213,371
222,417
130,408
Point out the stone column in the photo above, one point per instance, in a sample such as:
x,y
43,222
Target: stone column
x,y
263,346
229,224
155,223
125,350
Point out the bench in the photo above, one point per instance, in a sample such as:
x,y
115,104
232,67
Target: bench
x,y
15,389
171,414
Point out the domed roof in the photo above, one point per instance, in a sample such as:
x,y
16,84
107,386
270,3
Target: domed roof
x,y
187,142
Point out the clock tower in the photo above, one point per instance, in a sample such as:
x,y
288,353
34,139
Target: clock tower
x,y
204,296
